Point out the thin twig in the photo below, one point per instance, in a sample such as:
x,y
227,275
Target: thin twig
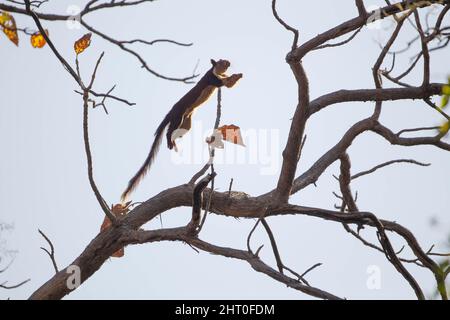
x,y
284,24
5,286
87,149
416,130
65,64
249,249
310,269
197,200
273,244
158,41
50,253
205,168
338,44
230,187
388,163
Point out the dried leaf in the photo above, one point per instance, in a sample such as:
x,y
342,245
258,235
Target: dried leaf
x,y
106,224
37,40
119,253
9,27
81,44
119,210
232,133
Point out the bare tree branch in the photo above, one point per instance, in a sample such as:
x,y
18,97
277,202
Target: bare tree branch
x,y
388,163
355,23
275,202
364,95
5,286
87,149
197,200
345,180
291,153
50,253
285,25
65,64
416,130
394,139
89,8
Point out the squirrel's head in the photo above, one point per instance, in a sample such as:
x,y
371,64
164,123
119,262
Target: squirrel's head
x,y
220,67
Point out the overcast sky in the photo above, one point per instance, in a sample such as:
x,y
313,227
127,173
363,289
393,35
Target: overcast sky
x,y
43,168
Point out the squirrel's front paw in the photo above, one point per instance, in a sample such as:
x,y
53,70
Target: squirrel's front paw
x,y
231,81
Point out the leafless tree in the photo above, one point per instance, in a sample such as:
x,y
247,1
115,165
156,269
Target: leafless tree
x,y
127,230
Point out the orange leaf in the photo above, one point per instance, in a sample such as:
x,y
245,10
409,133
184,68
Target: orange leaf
x,y
9,27
232,133
106,224
119,253
37,39
81,44
119,210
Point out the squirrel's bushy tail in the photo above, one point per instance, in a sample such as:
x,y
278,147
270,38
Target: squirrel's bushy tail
x,y
133,183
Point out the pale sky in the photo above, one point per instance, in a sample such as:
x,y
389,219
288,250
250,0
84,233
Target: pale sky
x,y
43,167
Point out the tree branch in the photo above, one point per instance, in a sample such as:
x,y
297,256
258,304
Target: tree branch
x,y
197,201
356,23
388,163
285,25
364,95
50,253
89,8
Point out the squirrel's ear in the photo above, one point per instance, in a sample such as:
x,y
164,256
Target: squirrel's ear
x,y
213,62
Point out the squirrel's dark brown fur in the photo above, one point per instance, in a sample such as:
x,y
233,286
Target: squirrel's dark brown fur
x,y
178,119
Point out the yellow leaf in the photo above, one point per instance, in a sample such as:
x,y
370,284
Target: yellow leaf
x,y
81,44
37,40
443,129
4,16
9,27
444,102
446,90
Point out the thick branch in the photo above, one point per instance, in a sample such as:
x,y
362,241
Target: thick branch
x,y
291,153
315,171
